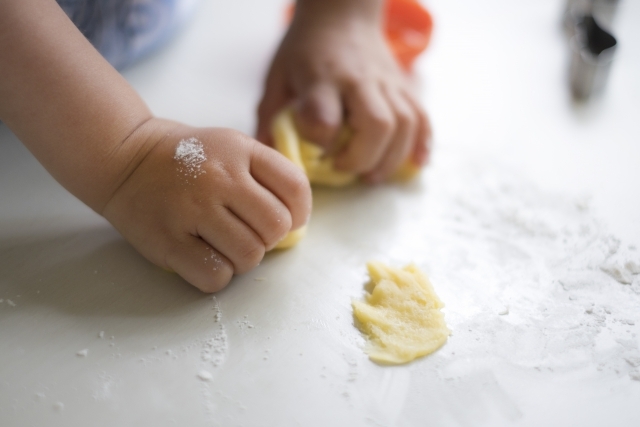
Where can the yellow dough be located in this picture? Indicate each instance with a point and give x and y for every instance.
(307, 155)
(319, 168)
(400, 315)
(292, 238)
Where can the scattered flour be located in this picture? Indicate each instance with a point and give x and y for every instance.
(214, 349)
(213, 354)
(83, 353)
(618, 272)
(11, 303)
(570, 287)
(244, 324)
(190, 154)
(633, 361)
(104, 387)
(632, 266)
(58, 406)
(622, 265)
(101, 334)
(205, 375)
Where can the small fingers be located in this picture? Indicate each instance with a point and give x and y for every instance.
(199, 264)
(421, 150)
(263, 212)
(285, 180)
(232, 238)
(373, 124)
(318, 114)
(402, 142)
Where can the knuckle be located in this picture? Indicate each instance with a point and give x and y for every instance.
(351, 79)
(405, 118)
(249, 257)
(381, 123)
(362, 160)
(299, 187)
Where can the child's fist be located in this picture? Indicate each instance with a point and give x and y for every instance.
(208, 203)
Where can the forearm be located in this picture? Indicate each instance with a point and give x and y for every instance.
(71, 109)
(354, 10)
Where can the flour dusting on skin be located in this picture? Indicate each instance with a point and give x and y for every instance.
(190, 154)
(214, 260)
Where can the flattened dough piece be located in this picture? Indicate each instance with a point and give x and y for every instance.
(400, 315)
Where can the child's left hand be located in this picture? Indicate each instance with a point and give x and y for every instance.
(335, 67)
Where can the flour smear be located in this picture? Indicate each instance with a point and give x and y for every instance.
(190, 156)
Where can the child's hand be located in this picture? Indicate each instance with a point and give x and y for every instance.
(335, 66)
(210, 209)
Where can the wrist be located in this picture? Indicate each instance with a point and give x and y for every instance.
(130, 154)
(368, 12)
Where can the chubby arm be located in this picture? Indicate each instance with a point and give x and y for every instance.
(206, 220)
(65, 102)
(335, 67)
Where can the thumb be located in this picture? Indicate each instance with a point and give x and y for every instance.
(318, 115)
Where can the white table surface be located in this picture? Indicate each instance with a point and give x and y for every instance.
(528, 198)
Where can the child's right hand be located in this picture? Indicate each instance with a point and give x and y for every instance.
(209, 220)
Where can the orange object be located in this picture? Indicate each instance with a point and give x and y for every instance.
(407, 28)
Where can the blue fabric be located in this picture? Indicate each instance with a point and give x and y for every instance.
(125, 30)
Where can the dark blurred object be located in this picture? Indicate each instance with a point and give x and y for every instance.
(602, 10)
(592, 46)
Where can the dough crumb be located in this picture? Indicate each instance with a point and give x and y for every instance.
(400, 315)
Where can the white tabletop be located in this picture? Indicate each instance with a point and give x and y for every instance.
(529, 201)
